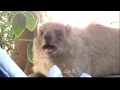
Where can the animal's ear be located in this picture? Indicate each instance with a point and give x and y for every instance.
(68, 28)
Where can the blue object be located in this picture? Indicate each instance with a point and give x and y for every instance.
(3, 73)
(8, 68)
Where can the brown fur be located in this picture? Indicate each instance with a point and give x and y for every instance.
(93, 50)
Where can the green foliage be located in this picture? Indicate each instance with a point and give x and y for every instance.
(12, 34)
(29, 51)
(31, 22)
(5, 28)
(12, 25)
(18, 24)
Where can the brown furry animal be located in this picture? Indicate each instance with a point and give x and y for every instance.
(93, 50)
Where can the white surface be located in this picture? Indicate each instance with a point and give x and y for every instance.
(55, 72)
(85, 75)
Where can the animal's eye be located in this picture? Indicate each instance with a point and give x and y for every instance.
(57, 32)
(41, 33)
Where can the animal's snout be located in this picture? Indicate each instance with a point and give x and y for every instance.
(48, 37)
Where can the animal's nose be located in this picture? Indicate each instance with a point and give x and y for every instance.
(48, 37)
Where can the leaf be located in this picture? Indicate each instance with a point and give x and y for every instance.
(29, 52)
(18, 24)
(12, 35)
(1, 23)
(31, 22)
(5, 13)
(36, 15)
(10, 16)
(3, 43)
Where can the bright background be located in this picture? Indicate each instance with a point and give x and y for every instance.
(83, 18)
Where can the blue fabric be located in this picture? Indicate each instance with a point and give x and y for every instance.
(8, 66)
(2, 74)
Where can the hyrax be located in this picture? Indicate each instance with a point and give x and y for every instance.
(93, 50)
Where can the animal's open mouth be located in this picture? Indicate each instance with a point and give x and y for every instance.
(49, 48)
